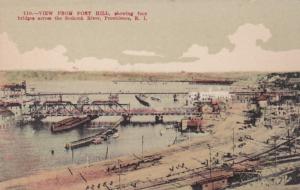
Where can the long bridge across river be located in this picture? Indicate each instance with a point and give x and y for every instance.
(100, 108)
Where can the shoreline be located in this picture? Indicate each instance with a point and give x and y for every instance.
(16, 76)
(183, 152)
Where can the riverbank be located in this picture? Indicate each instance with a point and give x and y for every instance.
(191, 153)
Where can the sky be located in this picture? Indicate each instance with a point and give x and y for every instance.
(179, 35)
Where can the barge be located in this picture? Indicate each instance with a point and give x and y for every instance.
(71, 123)
(142, 101)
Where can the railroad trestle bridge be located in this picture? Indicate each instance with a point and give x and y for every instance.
(102, 108)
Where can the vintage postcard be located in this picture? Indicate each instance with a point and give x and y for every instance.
(154, 95)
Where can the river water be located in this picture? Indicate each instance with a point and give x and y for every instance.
(27, 149)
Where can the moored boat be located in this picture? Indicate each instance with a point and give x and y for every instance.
(71, 123)
(155, 99)
(142, 101)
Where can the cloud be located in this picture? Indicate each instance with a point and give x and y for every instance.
(246, 55)
(36, 59)
(195, 51)
(140, 53)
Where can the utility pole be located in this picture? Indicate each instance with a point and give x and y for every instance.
(189, 137)
(106, 154)
(119, 174)
(298, 115)
(275, 152)
(270, 110)
(210, 166)
(72, 155)
(143, 147)
(233, 146)
(294, 142)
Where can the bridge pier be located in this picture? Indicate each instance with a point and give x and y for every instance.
(197, 187)
(126, 119)
(38, 118)
(159, 119)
